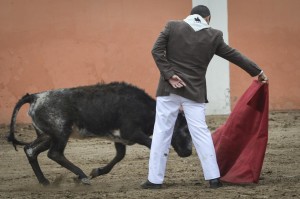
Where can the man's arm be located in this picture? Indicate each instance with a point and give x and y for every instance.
(160, 58)
(234, 56)
(159, 54)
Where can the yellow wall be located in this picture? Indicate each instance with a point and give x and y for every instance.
(268, 32)
(56, 44)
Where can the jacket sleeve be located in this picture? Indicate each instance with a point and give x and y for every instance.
(159, 53)
(234, 56)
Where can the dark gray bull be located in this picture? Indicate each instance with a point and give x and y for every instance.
(119, 112)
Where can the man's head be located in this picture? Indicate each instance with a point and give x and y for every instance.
(203, 11)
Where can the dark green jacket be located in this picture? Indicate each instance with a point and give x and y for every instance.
(182, 51)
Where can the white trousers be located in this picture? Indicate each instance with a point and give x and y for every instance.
(167, 108)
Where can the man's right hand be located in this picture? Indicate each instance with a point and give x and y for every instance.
(263, 78)
(176, 82)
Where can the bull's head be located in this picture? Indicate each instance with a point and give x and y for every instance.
(181, 140)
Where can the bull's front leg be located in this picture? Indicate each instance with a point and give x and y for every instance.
(121, 151)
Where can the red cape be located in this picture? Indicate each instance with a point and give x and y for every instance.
(241, 142)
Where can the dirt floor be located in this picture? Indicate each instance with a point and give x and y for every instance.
(280, 177)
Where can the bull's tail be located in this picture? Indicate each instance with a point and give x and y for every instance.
(11, 137)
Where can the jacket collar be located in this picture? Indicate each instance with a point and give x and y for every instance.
(196, 22)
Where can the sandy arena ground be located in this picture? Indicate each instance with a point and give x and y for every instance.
(280, 177)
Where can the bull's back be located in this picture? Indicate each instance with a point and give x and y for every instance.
(107, 107)
(96, 110)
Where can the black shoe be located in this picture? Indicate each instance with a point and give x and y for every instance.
(150, 185)
(215, 183)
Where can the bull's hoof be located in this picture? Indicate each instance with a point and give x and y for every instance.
(45, 182)
(94, 173)
(85, 181)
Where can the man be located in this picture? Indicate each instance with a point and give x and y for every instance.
(182, 53)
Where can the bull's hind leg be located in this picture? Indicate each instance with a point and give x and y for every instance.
(32, 150)
(121, 151)
(56, 153)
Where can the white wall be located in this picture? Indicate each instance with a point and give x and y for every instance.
(218, 71)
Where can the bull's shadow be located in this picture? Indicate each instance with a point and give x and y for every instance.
(117, 111)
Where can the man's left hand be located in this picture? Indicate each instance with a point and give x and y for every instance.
(176, 82)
